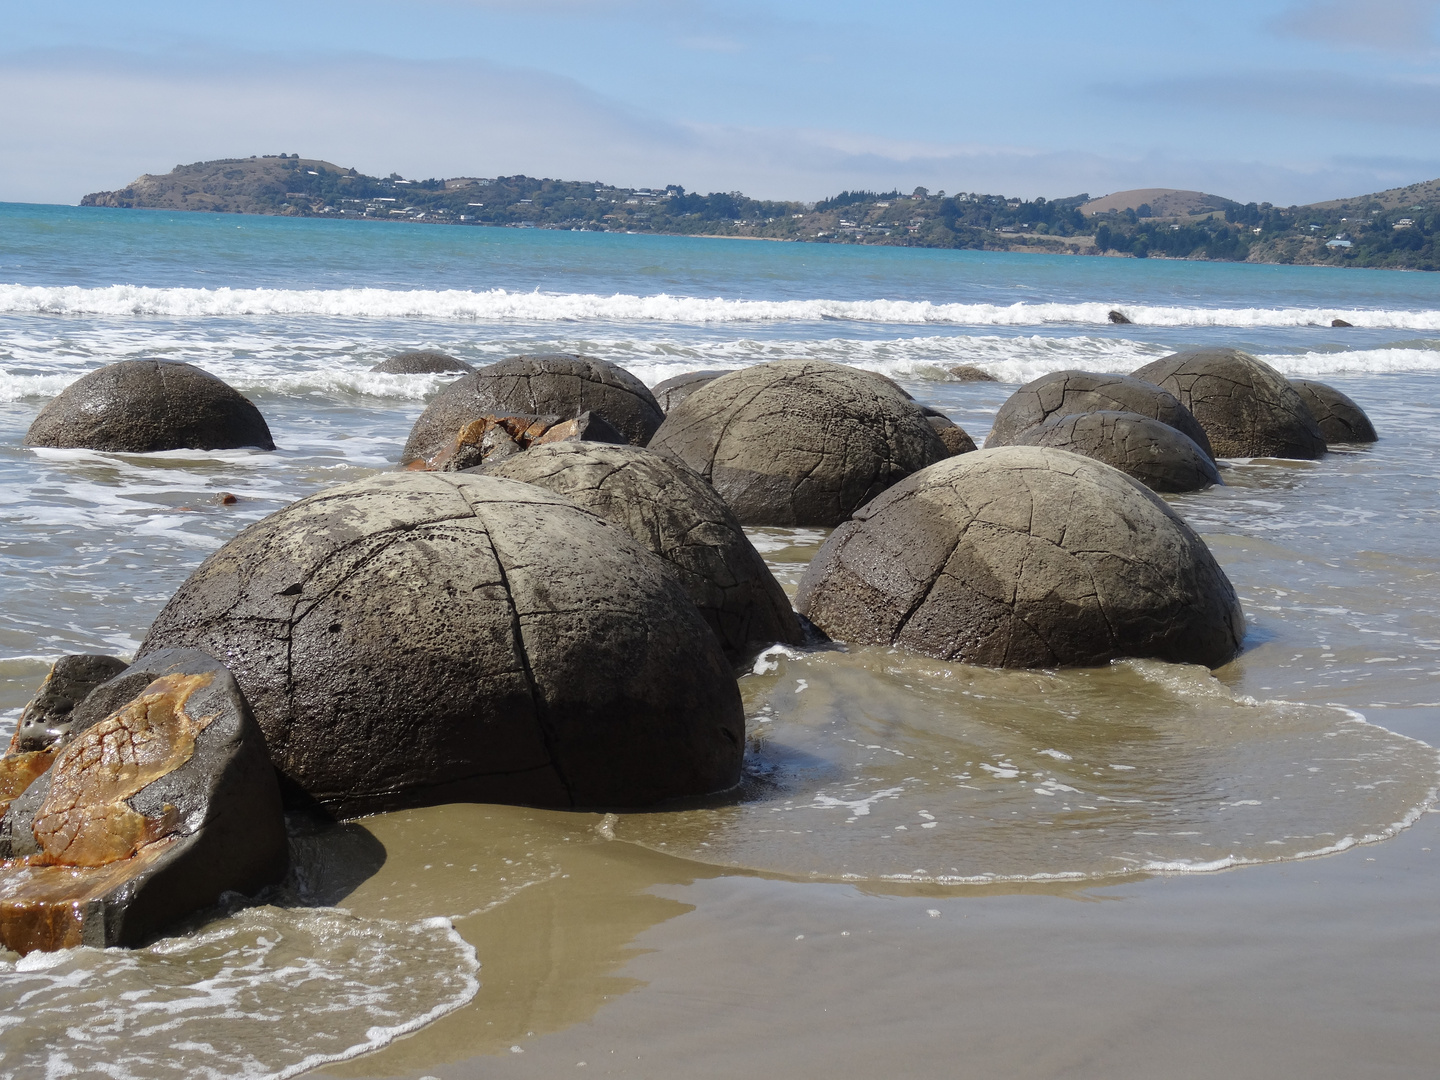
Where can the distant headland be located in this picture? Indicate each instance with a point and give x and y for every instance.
(1394, 229)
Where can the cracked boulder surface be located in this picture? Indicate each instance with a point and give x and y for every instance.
(144, 406)
(1066, 393)
(423, 362)
(679, 517)
(159, 799)
(1156, 454)
(677, 388)
(1246, 407)
(799, 442)
(421, 638)
(1340, 419)
(1024, 557)
(560, 385)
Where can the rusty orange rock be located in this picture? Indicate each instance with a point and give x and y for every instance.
(19, 770)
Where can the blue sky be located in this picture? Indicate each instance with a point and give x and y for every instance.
(1285, 100)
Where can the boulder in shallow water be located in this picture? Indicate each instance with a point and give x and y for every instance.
(1340, 419)
(49, 716)
(1064, 393)
(1023, 556)
(956, 439)
(423, 362)
(799, 442)
(970, 373)
(420, 637)
(679, 517)
(144, 406)
(677, 388)
(1156, 454)
(560, 385)
(159, 799)
(1246, 407)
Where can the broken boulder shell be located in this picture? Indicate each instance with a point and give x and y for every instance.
(1156, 454)
(1340, 419)
(49, 716)
(1023, 556)
(421, 637)
(160, 798)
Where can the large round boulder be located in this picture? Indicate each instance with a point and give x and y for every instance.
(422, 362)
(799, 442)
(1246, 407)
(1065, 393)
(418, 638)
(561, 386)
(672, 391)
(1340, 419)
(143, 406)
(679, 517)
(1156, 454)
(1024, 556)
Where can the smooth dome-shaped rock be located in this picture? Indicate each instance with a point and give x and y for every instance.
(677, 388)
(559, 385)
(1156, 454)
(423, 362)
(1024, 556)
(144, 406)
(1246, 407)
(1339, 418)
(679, 517)
(1065, 393)
(419, 638)
(956, 439)
(799, 442)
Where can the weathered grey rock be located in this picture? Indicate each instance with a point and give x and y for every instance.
(418, 638)
(49, 716)
(799, 442)
(1119, 318)
(1246, 407)
(1064, 393)
(423, 362)
(1023, 557)
(160, 798)
(1340, 323)
(143, 406)
(561, 385)
(679, 517)
(971, 373)
(1339, 418)
(956, 439)
(1156, 454)
(677, 388)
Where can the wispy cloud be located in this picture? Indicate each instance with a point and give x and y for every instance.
(1398, 26)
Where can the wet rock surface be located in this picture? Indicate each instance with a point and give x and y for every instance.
(1023, 557)
(1065, 393)
(1246, 407)
(422, 362)
(145, 406)
(1339, 417)
(799, 442)
(679, 517)
(677, 388)
(419, 638)
(47, 718)
(971, 373)
(1156, 454)
(159, 799)
(561, 385)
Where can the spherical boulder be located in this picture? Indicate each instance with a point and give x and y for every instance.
(423, 362)
(1246, 407)
(956, 439)
(559, 385)
(418, 638)
(799, 442)
(1065, 393)
(679, 517)
(144, 406)
(677, 388)
(1023, 556)
(1340, 419)
(1156, 454)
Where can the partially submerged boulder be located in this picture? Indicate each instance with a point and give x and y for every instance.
(1156, 454)
(144, 406)
(159, 799)
(799, 442)
(672, 391)
(1023, 556)
(679, 517)
(50, 716)
(560, 385)
(1065, 393)
(1246, 407)
(970, 373)
(956, 439)
(423, 362)
(1339, 418)
(418, 637)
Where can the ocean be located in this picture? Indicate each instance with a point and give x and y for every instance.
(900, 795)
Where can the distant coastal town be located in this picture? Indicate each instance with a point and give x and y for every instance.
(1394, 229)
